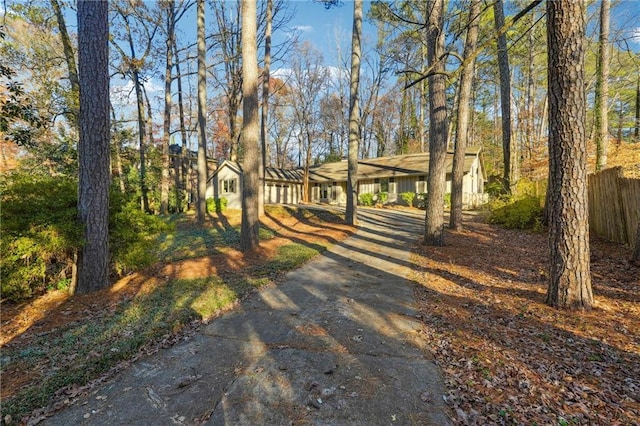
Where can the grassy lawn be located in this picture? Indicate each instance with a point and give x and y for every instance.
(59, 362)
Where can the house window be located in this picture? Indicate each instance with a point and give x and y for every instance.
(384, 185)
(229, 186)
(421, 185)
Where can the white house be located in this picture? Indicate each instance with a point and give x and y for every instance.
(328, 182)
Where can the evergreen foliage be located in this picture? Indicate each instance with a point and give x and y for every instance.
(41, 234)
(366, 199)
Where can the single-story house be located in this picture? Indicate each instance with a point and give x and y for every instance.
(328, 182)
(282, 186)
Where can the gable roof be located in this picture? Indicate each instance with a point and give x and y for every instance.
(368, 168)
(397, 165)
(272, 173)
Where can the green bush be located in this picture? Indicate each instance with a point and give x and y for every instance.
(41, 234)
(421, 200)
(382, 197)
(495, 188)
(217, 205)
(408, 197)
(522, 213)
(447, 200)
(132, 234)
(366, 199)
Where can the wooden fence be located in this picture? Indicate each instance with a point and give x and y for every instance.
(614, 205)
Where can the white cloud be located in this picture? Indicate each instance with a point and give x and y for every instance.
(303, 28)
(124, 94)
(636, 35)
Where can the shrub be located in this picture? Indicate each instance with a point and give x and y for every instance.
(382, 197)
(408, 197)
(447, 200)
(421, 200)
(40, 234)
(217, 205)
(132, 234)
(522, 213)
(366, 199)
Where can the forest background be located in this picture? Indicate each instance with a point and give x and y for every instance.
(153, 44)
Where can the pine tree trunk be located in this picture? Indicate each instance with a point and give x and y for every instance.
(250, 128)
(265, 103)
(142, 135)
(166, 139)
(505, 94)
(183, 171)
(351, 213)
(438, 126)
(601, 120)
(201, 207)
(93, 147)
(462, 132)
(569, 274)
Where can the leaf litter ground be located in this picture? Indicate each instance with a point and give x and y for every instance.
(508, 358)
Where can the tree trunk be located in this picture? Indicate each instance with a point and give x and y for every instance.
(531, 98)
(250, 138)
(70, 58)
(569, 275)
(265, 103)
(601, 121)
(118, 152)
(351, 214)
(142, 134)
(93, 147)
(202, 124)
(438, 126)
(184, 165)
(505, 94)
(462, 132)
(166, 138)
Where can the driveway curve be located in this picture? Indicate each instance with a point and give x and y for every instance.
(336, 343)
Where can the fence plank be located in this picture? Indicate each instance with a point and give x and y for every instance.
(614, 205)
(630, 193)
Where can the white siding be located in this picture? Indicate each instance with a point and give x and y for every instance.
(225, 173)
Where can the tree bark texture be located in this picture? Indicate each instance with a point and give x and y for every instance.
(351, 214)
(602, 89)
(93, 147)
(201, 202)
(166, 137)
(438, 126)
(184, 166)
(505, 93)
(265, 103)
(569, 272)
(462, 132)
(250, 129)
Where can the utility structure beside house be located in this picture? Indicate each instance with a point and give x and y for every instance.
(328, 182)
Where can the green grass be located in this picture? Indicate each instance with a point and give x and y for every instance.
(81, 352)
(188, 242)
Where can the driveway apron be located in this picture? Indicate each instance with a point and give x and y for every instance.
(335, 343)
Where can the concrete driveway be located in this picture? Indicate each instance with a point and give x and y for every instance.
(336, 343)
